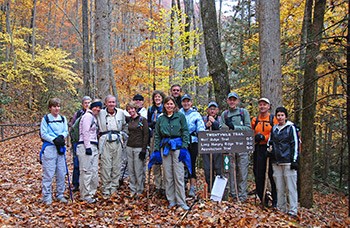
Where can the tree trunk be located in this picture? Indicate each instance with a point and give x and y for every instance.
(86, 51)
(203, 90)
(92, 61)
(32, 51)
(187, 62)
(216, 62)
(270, 51)
(9, 50)
(309, 106)
(102, 47)
(348, 103)
(300, 79)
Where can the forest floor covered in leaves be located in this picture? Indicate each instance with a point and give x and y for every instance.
(20, 204)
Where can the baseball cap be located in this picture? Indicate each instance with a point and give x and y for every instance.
(186, 96)
(138, 97)
(213, 103)
(233, 94)
(265, 100)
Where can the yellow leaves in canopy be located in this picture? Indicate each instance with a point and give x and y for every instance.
(158, 57)
(36, 69)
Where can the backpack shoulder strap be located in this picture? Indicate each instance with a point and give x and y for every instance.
(241, 113)
(46, 119)
(256, 121)
(271, 119)
(226, 114)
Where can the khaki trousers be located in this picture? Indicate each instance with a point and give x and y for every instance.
(174, 172)
(136, 168)
(88, 166)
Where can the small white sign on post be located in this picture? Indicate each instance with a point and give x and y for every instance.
(218, 189)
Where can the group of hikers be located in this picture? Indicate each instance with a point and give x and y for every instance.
(167, 132)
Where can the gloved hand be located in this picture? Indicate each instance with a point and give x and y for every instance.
(294, 165)
(142, 155)
(88, 151)
(59, 141)
(61, 150)
(259, 137)
(269, 152)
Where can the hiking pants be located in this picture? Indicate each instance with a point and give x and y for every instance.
(88, 165)
(174, 178)
(259, 168)
(286, 185)
(242, 162)
(53, 165)
(158, 173)
(111, 161)
(76, 171)
(136, 168)
(193, 149)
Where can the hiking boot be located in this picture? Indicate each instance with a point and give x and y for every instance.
(192, 192)
(185, 207)
(90, 200)
(47, 202)
(171, 205)
(62, 200)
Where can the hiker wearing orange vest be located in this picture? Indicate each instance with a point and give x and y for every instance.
(262, 125)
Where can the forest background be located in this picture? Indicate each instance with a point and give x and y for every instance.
(67, 49)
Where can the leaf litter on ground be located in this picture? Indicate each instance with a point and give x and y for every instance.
(20, 191)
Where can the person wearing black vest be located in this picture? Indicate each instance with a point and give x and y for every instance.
(212, 123)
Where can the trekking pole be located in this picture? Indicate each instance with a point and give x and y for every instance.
(70, 189)
(121, 180)
(186, 213)
(265, 182)
(148, 187)
(234, 174)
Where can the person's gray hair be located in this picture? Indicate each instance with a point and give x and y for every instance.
(109, 97)
(85, 98)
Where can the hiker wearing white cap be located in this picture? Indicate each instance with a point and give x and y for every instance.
(262, 125)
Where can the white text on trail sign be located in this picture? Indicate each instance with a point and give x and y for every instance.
(225, 141)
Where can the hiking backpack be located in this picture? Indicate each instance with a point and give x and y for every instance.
(74, 131)
(241, 113)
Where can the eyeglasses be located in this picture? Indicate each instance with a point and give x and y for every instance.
(176, 90)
